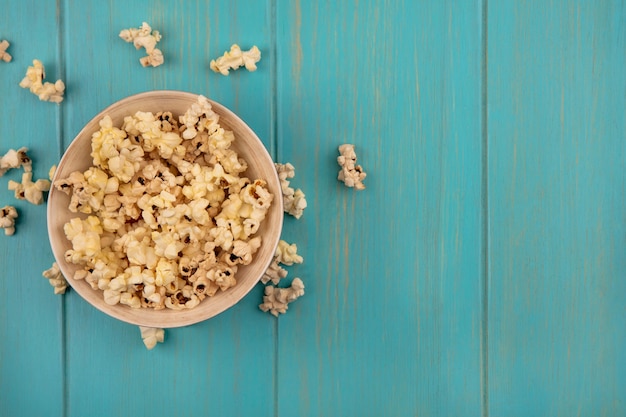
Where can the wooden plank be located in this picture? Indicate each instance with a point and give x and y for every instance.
(556, 189)
(209, 367)
(31, 328)
(390, 324)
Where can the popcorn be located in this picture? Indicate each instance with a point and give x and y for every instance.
(236, 58)
(14, 159)
(8, 214)
(274, 273)
(243, 251)
(276, 300)
(151, 336)
(4, 55)
(294, 201)
(145, 37)
(56, 279)
(182, 299)
(113, 150)
(351, 174)
(191, 118)
(167, 224)
(129, 299)
(85, 237)
(29, 190)
(147, 126)
(223, 275)
(45, 91)
(154, 58)
(230, 161)
(285, 254)
(87, 190)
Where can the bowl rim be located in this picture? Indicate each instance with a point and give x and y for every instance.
(185, 317)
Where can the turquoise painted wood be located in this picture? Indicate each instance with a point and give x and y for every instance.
(32, 322)
(479, 274)
(557, 311)
(210, 365)
(392, 323)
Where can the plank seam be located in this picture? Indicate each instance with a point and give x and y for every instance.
(61, 59)
(61, 72)
(274, 153)
(273, 82)
(485, 211)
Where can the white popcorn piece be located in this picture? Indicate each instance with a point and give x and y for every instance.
(351, 174)
(148, 127)
(285, 254)
(85, 237)
(243, 251)
(223, 275)
(145, 37)
(56, 279)
(4, 55)
(47, 91)
(182, 299)
(8, 214)
(87, 190)
(276, 300)
(193, 125)
(274, 273)
(153, 59)
(235, 58)
(113, 150)
(294, 200)
(151, 336)
(14, 159)
(167, 224)
(29, 190)
(129, 299)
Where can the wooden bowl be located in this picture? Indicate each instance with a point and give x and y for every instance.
(248, 146)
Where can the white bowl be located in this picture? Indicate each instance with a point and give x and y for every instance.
(248, 146)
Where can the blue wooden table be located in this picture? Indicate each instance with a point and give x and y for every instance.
(481, 273)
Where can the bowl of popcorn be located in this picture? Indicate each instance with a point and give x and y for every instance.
(165, 210)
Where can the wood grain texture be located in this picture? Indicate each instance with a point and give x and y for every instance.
(528, 133)
(201, 369)
(31, 326)
(556, 164)
(391, 321)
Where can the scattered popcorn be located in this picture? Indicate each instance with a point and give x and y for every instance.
(351, 174)
(236, 58)
(4, 55)
(285, 254)
(8, 214)
(294, 201)
(56, 279)
(15, 159)
(29, 190)
(151, 336)
(145, 37)
(168, 224)
(276, 300)
(45, 91)
(274, 273)
(52, 171)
